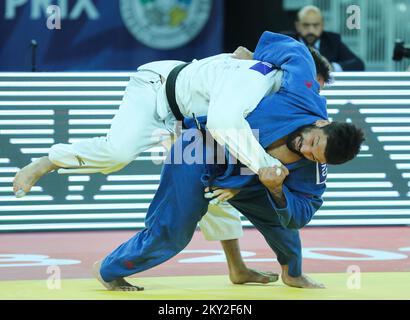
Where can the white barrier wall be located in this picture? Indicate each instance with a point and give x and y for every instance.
(40, 109)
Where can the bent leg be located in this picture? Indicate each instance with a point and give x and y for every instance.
(134, 129)
(171, 220)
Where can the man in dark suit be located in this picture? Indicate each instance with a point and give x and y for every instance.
(309, 27)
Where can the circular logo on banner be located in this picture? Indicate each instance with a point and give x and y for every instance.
(165, 24)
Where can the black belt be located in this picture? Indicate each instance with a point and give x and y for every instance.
(170, 92)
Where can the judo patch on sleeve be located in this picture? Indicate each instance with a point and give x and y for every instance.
(321, 173)
(263, 67)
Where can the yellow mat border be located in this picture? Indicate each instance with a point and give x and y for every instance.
(339, 286)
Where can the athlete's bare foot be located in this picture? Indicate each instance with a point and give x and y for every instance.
(250, 275)
(117, 285)
(239, 273)
(303, 281)
(27, 177)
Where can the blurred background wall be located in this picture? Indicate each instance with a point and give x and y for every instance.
(107, 34)
(381, 23)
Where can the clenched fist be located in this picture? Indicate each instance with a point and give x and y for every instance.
(270, 178)
(220, 195)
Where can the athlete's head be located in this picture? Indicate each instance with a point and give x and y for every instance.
(309, 24)
(324, 142)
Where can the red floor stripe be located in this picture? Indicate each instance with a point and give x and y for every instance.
(390, 244)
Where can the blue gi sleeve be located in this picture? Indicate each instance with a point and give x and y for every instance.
(299, 210)
(290, 55)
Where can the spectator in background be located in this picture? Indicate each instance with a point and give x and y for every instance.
(309, 26)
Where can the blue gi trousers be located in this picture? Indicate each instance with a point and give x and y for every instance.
(172, 217)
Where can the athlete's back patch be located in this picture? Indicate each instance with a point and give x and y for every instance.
(263, 67)
(321, 173)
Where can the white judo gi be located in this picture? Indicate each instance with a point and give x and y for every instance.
(220, 87)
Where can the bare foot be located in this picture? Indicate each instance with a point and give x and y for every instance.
(117, 285)
(302, 281)
(27, 177)
(251, 275)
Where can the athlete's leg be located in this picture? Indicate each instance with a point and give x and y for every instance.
(134, 129)
(171, 220)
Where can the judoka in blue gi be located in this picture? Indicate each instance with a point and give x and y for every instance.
(278, 206)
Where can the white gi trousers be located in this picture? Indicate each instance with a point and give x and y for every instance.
(221, 222)
(135, 128)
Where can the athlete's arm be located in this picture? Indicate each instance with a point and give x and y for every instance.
(295, 208)
(232, 97)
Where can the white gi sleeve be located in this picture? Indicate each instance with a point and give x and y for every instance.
(232, 97)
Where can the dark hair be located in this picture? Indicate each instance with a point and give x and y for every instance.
(343, 142)
(322, 65)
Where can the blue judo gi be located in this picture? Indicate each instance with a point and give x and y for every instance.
(179, 202)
